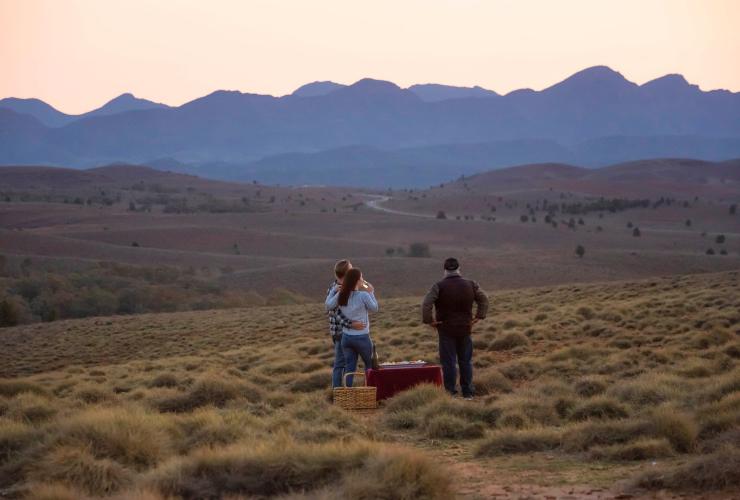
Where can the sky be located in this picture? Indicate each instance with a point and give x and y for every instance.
(78, 54)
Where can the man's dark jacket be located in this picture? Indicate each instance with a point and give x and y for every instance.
(452, 299)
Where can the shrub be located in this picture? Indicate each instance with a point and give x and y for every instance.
(601, 408)
(441, 214)
(720, 239)
(580, 251)
(504, 442)
(636, 232)
(509, 341)
(313, 381)
(419, 250)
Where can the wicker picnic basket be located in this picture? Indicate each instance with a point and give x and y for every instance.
(355, 398)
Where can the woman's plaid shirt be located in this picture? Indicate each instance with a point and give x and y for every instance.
(337, 321)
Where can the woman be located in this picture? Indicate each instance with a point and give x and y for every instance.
(355, 297)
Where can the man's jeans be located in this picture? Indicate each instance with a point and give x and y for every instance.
(457, 351)
(338, 371)
(352, 346)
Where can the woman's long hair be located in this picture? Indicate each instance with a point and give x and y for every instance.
(348, 285)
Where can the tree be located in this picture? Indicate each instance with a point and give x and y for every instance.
(710, 251)
(134, 243)
(9, 315)
(524, 218)
(723, 252)
(733, 209)
(580, 251)
(390, 251)
(441, 215)
(688, 222)
(720, 239)
(629, 225)
(636, 232)
(419, 250)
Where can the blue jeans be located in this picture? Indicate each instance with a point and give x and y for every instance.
(352, 346)
(457, 351)
(338, 370)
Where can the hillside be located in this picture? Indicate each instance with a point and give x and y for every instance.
(580, 389)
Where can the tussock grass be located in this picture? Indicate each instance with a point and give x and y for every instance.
(183, 396)
(641, 449)
(504, 442)
(269, 469)
(509, 341)
(717, 471)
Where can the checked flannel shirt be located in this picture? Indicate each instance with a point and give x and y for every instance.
(337, 321)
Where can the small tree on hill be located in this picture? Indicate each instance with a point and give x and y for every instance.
(710, 251)
(580, 251)
(733, 209)
(636, 232)
(524, 218)
(629, 225)
(688, 222)
(441, 215)
(720, 239)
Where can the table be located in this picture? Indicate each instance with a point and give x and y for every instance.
(391, 380)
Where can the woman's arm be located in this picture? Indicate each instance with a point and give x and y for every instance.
(332, 299)
(371, 303)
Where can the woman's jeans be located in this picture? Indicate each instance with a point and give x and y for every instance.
(352, 346)
(338, 371)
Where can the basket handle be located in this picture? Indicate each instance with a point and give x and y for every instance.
(344, 379)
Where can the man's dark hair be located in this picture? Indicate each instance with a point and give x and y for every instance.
(451, 264)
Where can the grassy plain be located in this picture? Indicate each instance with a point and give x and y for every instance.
(586, 390)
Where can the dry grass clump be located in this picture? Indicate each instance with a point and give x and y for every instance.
(505, 442)
(640, 449)
(13, 387)
(599, 408)
(589, 386)
(508, 341)
(584, 436)
(211, 389)
(79, 467)
(447, 426)
(15, 437)
(269, 469)
(491, 381)
(53, 491)
(677, 427)
(717, 471)
(212, 427)
(129, 436)
(29, 407)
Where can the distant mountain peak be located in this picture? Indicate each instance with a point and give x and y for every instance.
(669, 83)
(125, 102)
(433, 92)
(595, 77)
(374, 86)
(315, 89)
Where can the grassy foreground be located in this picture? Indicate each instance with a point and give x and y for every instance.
(235, 403)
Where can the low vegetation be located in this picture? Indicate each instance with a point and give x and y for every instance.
(235, 403)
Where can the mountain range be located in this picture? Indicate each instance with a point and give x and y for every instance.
(377, 133)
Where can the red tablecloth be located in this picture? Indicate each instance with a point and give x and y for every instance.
(391, 380)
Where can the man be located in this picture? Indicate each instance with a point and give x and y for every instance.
(453, 298)
(337, 322)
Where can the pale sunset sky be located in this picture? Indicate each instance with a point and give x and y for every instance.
(78, 54)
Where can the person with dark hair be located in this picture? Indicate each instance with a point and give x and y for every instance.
(338, 322)
(355, 298)
(448, 307)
